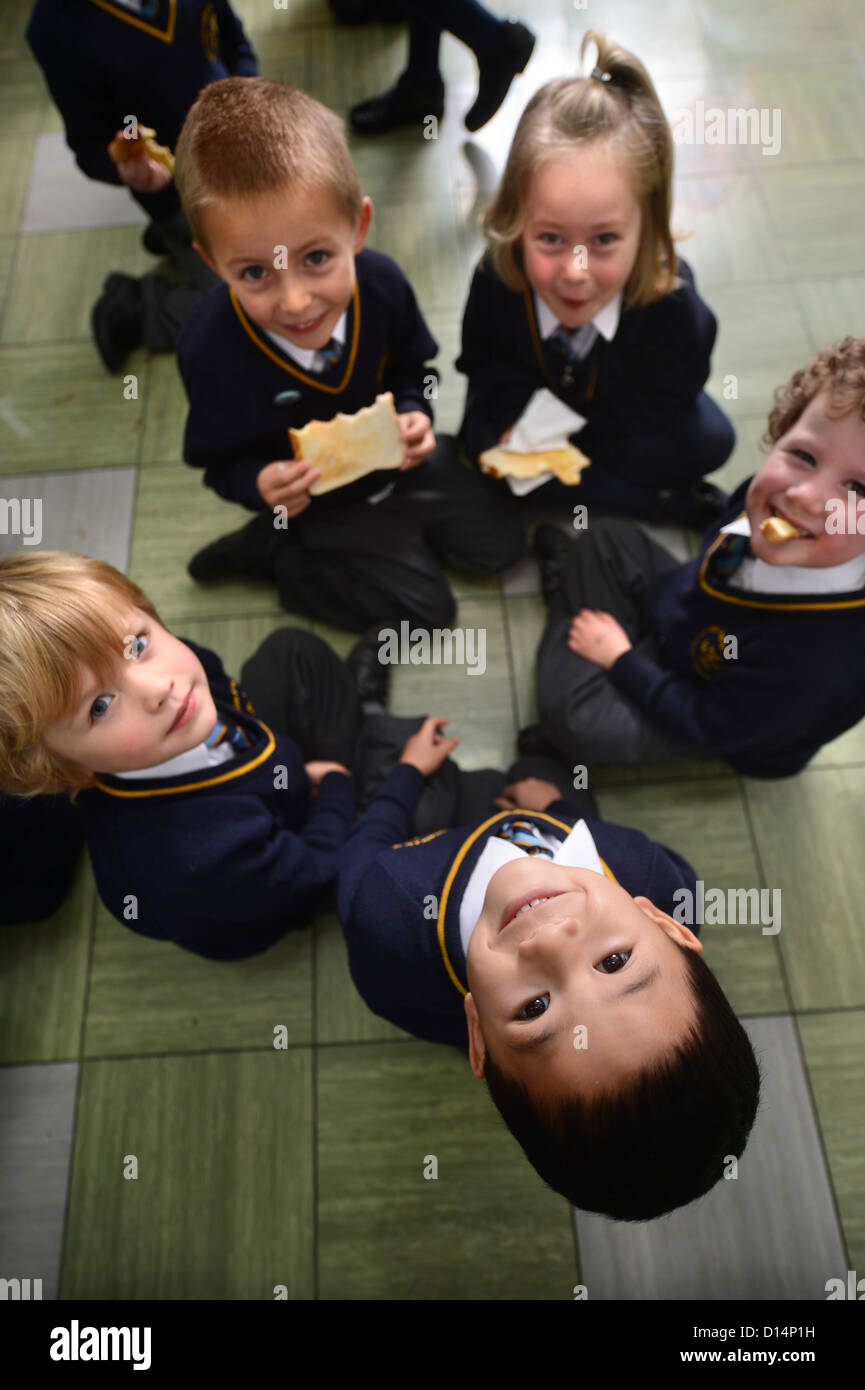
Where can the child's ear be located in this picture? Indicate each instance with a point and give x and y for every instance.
(477, 1047)
(679, 933)
(362, 226)
(197, 246)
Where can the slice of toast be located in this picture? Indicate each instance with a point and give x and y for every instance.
(350, 446)
(123, 146)
(776, 530)
(565, 464)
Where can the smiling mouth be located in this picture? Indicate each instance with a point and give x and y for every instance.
(521, 906)
(803, 534)
(184, 714)
(306, 326)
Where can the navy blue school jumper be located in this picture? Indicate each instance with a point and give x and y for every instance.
(223, 861)
(103, 62)
(343, 559)
(650, 425)
(797, 680)
(42, 837)
(406, 957)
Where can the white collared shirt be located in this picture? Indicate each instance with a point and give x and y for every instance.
(578, 851)
(193, 760)
(605, 322)
(309, 359)
(758, 577)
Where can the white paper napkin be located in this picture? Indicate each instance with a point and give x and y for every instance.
(545, 423)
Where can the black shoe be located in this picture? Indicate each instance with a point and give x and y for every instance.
(532, 743)
(404, 104)
(495, 77)
(551, 547)
(153, 241)
(249, 551)
(117, 320)
(699, 505)
(371, 676)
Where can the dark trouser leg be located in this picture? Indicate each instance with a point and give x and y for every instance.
(362, 566)
(381, 742)
(613, 566)
(469, 522)
(468, 21)
(167, 303)
(42, 838)
(300, 688)
(627, 475)
(423, 48)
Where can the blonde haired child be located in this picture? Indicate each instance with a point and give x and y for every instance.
(581, 292)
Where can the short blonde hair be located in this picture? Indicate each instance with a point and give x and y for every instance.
(622, 109)
(248, 136)
(58, 612)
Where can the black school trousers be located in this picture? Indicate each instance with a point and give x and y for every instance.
(613, 566)
(380, 562)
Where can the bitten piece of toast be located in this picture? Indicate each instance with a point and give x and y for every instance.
(776, 529)
(350, 446)
(565, 464)
(123, 146)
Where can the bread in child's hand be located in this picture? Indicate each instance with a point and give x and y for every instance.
(124, 146)
(776, 529)
(566, 464)
(350, 446)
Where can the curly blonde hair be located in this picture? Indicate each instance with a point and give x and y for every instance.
(59, 613)
(623, 109)
(839, 369)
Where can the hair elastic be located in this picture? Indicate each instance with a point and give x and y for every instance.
(601, 76)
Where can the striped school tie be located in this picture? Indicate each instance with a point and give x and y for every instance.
(228, 733)
(728, 556)
(571, 345)
(526, 835)
(330, 353)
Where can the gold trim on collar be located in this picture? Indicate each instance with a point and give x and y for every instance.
(252, 332)
(755, 603)
(166, 35)
(196, 786)
(460, 856)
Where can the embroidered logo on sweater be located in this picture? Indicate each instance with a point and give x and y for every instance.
(210, 33)
(708, 651)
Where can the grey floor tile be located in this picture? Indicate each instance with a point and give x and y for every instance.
(89, 512)
(37, 1109)
(61, 198)
(772, 1233)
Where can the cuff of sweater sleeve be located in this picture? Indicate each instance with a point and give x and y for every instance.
(632, 672)
(404, 783)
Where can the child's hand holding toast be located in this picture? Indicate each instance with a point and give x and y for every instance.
(417, 434)
(286, 483)
(427, 749)
(598, 637)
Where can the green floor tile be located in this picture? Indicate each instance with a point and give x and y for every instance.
(725, 232)
(849, 748)
(164, 409)
(830, 307)
(707, 824)
(43, 977)
(821, 109)
(778, 26)
(347, 64)
(151, 996)
(61, 409)
(8, 247)
(175, 516)
(222, 1205)
(762, 340)
(64, 272)
(809, 832)
(816, 213)
(485, 1227)
(834, 1047)
(22, 97)
(16, 152)
(340, 1013)
(424, 233)
(478, 706)
(525, 618)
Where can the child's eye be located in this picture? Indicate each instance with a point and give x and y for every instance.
(254, 274)
(135, 646)
(317, 257)
(616, 961)
(606, 238)
(100, 707)
(550, 238)
(531, 1010)
(804, 456)
(855, 486)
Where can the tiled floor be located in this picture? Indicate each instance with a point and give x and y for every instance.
(301, 1169)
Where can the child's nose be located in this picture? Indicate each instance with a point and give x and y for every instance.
(551, 941)
(293, 298)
